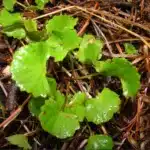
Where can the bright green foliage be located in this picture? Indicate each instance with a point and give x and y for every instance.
(11, 23)
(78, 110)
(60, 115)
(9, 4)
(41, 3)
(17, 33)
(102, 108)
(61, 23)
(61, 43)
(30, 25)
(70, 39)
(129, 48)
(76, 106)
(63, 36)
(20, 140)
(100, 142)
(56, 49)
(57, 122)
(29, 69)
(7, 19)
(35, 104)
(123, 69)
(77, 99)
(90, 49)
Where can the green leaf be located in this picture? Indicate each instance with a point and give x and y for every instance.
(63, 36)
(9, 4)
(130, 49)
(57, 122)
(56, 49)
(41, 3)
(102, 108)
(37, 36)
(70, 39)
(60, 99)
(123, 69)
(90, 49)
(7, 18)
(78, 110)
(61, 43)
(77, 99)
(17, 33)
(61, 23)
(30, 25)
(20, 140)
(28, 69)
(76, 106)
(35, 104)
(100, 142)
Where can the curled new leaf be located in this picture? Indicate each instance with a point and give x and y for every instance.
(90, 49)
(102, 108)
(30, 25)
(76, 106)
(29, 69)
(123, 69)
(129, 48)
(99, 142)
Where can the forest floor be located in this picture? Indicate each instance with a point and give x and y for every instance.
(116, 22)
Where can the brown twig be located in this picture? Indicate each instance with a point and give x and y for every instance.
(14, 115)
(82, 30)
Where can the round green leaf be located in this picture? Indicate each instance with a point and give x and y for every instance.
(57, 122)
(90, 49)
(61, 23)
(7, 19)
(70, 39)
(99, 142)
(102, 108)
(123, 69)
(28, 69)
